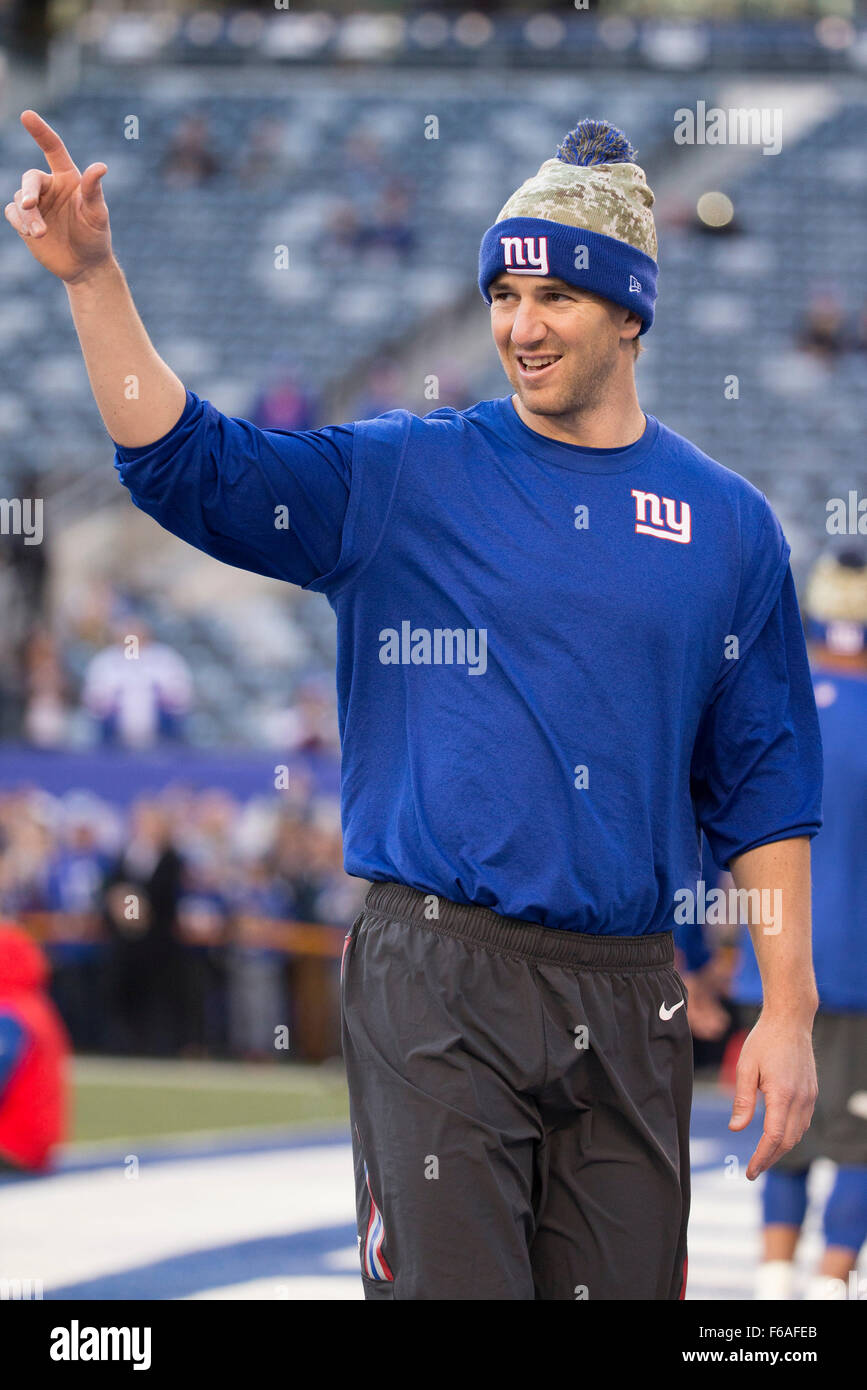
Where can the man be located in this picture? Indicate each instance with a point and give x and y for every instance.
(835, 605)
(145, 965)
(139, 695)
(566, 637)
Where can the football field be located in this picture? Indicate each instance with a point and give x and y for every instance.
(211, 1181)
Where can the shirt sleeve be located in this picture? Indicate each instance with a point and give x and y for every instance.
(270, 501)
(757, 760)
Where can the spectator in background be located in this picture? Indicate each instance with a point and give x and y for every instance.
(310, 724)
(287, 859)
(138, 690)
(365, 166)
(378, 220)
(190, 158)
(46, 713)
(85, 619)
(344, 233)
(823, 331)
(390, 226)
(382, 391)
(140, 906)
(203, 920)
(25, 843)
(205, 826)
(75, 872)
(268, 153)
(333, 897)
(258, 999)
(33, 1053)
(283, 404)
(306, 862)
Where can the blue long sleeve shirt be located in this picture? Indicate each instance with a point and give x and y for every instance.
(554, 663)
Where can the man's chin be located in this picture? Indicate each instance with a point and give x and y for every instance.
(541, 401)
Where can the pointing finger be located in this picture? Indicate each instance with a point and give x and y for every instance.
(59, 160)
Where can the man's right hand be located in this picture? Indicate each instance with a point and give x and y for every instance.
(61, 215)
(62, 218)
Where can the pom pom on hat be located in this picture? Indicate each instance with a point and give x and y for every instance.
(590, 198)
(596, 142)
(592, 182)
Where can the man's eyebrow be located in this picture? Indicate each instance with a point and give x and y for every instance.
(550, 283)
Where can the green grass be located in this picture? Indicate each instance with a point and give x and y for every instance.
(120, 1099)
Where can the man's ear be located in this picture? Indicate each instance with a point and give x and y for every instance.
(631, 326)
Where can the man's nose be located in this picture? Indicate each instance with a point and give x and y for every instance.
(528, 325)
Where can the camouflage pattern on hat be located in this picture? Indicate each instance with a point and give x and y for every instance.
(613, 199)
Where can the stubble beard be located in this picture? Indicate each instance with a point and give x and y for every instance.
(580, 392)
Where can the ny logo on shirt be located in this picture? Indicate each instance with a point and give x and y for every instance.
(527, 255)
(669, 529)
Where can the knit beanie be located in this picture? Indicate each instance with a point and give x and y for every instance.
(585, 218)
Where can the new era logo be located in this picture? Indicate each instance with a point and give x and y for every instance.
(649, 520)
(525, 255)
(634, 285)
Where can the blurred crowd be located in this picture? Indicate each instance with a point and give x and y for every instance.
(376, 214)
(91, 670)
(85, 671)
(162, 923)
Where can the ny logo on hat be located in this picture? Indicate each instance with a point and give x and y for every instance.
(525, 255)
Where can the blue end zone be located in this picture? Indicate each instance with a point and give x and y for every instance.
(303, 1255)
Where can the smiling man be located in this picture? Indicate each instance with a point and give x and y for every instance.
(514, 1029)
(567, 352)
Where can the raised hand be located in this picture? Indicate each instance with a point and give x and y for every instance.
(61, 215)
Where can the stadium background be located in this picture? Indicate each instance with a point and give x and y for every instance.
(303, 252)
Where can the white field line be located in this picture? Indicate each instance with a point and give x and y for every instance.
(191, 1139)
(205, 1076)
